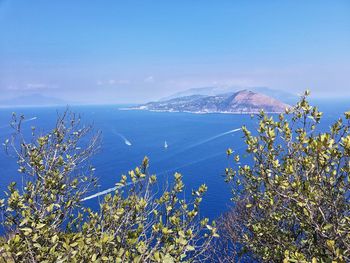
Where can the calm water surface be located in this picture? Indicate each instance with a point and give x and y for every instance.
(196, 145)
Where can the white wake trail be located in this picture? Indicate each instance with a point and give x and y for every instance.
(190, 163)
(126, 141)
(25, 120)
(212, 138)
(198, 161)
(104, 192)
(31, 119)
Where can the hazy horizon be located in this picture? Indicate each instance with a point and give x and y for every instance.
(131, 51)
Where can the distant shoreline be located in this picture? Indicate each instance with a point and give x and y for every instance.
(201, 112)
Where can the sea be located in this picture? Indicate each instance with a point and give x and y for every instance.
(196, 146)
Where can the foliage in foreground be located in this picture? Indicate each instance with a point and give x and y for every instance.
(292, 202)
(45, 221)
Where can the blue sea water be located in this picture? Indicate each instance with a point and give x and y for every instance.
(196, 145)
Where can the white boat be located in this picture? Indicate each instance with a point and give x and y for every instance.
(165, 145)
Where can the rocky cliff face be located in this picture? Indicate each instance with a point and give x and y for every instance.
(248, 101)
(240, 102)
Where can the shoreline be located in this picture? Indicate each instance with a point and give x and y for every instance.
(202, 112)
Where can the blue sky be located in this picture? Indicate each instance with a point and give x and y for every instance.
(132, 51)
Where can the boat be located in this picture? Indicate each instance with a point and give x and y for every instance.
(165, 145)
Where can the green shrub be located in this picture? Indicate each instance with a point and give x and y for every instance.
(292, 202)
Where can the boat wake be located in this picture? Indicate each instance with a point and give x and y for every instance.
(104, 192)
(191, 163)
(210, 139)
(31, 119)
(25, 120)
(126, 141)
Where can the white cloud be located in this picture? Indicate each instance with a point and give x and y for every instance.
(11, 87)
(112, 82)
(195, 82)
(123, 81)
(31, 87)
(36, 86)
(149, 79)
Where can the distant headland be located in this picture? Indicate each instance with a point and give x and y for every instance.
(240, 102)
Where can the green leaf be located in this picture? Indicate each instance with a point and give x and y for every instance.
(39, 226)
(328, 226)
(190, 248)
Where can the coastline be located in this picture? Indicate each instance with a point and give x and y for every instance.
(204, 112)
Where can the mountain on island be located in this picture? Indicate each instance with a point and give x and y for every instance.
(243, 101)
(281, 95)
(32, 100)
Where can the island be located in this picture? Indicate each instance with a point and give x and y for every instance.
(241, 102)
